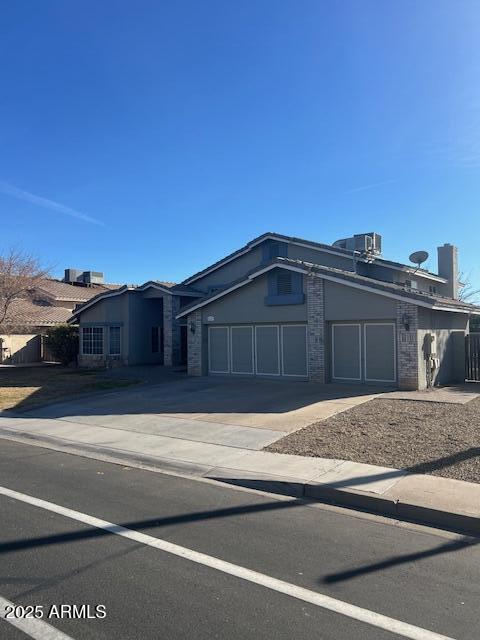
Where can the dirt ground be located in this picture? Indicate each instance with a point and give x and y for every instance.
(421, 437)
(23, 388)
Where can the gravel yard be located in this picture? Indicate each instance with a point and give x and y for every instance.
(421, 437)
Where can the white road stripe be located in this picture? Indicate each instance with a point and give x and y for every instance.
(312, 597)
(33, 627)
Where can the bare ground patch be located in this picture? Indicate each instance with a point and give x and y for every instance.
(422, 437)
(24, 388)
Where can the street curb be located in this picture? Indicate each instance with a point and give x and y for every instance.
(395, 508)
(351, 499)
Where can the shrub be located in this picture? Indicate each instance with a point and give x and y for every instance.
(62, 342)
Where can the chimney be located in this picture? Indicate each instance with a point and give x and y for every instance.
(448, 268)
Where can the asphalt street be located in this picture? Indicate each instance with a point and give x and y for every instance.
(153, 581)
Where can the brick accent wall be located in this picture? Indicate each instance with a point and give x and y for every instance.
(95, 362)
(315, 328)
(407, 346)
(171, 331)
(194, 341)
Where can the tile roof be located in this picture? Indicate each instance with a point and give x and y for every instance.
(34, 312)
(39, 309)
(59, 290)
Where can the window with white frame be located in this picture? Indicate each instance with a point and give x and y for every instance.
(92, 341)
(114, 341)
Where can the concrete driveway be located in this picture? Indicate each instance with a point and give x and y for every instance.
(241, 412)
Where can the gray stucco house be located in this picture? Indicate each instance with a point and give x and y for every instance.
(285, 307)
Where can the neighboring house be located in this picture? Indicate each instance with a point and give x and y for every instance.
(135, 325)
(49, 303)
(291, 308)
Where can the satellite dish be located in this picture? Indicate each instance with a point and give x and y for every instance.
(417, 257)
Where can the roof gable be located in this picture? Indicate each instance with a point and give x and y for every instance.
(258, 240)
(318, 246)
(347, 278)
(165, 287)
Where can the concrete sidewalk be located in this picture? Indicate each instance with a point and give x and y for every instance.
(449, 504)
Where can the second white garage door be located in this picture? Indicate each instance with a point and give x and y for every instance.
(264, 350)
(363, 352)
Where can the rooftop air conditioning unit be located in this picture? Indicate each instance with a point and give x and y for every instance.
(73, 275)
(366, 243)
(93, 277)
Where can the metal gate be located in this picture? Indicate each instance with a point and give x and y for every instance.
(472, 357)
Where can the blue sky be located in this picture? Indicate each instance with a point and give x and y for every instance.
(148, 139)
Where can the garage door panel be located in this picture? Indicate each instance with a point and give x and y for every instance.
(346, 354)
(241, 349)
(380, 362)
(294, 350)
(267, 350)
(218, 350)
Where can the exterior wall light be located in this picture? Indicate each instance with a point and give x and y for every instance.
(192, 327)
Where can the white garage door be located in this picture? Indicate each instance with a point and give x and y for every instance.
(264, 350)
(241, 349)
(267, 350)
(218, 350)
(379, 344)
(294, 350)
(363, 352)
